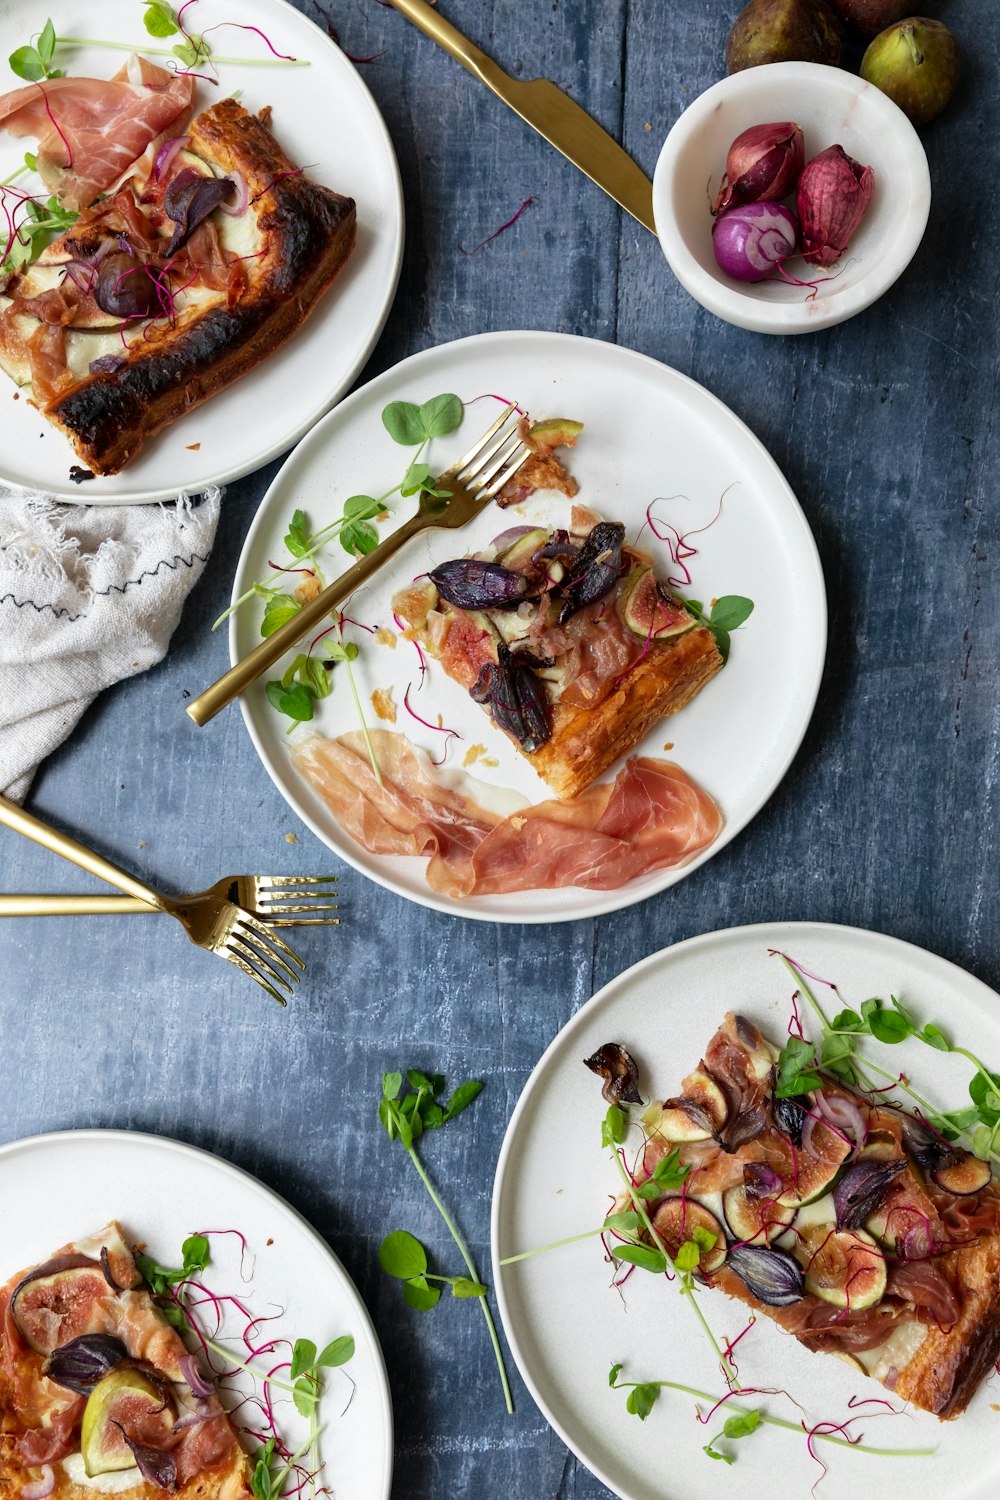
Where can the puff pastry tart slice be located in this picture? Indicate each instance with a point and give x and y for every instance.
(98, 1392)
(569, 641)
(847, 1221)
(174, 284)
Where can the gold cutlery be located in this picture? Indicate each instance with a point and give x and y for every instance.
(548, 110)
(474, 481)
(269, 897)
(211, 922)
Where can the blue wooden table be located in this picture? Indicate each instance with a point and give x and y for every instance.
(888, 818)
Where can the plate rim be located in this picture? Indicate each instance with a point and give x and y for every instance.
(76, 495)
(579, 1019)
(148, 1138)
(612, 900)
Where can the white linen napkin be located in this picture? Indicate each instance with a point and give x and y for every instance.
(88, 595)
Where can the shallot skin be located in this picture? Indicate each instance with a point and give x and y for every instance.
(749, 242)
(762, 165)
(832, 198)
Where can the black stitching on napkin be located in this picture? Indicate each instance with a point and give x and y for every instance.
(113, 588)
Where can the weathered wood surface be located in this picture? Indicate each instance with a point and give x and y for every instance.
(888, 819)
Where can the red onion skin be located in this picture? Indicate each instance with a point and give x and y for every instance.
(750, 241)
(832, 198)
(195, 1379)
(763, 164)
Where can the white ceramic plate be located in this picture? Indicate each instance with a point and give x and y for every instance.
(566, 1326)
(327, 121)
(69, 1184)
(833, 107)
(648, 432)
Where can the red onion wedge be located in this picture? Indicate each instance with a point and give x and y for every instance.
(199, 1385)
(166, 154)
(39, 1488)
(238, 209)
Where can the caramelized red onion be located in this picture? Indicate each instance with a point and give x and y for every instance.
(200, 1386)
(166, 154)
(621, 1076)
(760, 1182)
(772, 1276)
(862, 1189)
(596, 569)
(515, 696)
(125, 289)
(239, 208)
(470, 583)
(84, 1361)
(843, 1114)
(189, 200)
(510, 536)
(789, 1116)
(153, 1463)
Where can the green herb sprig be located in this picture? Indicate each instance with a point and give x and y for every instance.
(34, 60)
(35, 232)
(643, 1396)
(160, 1279)
(406, 1112)
(802, 1063)
(726, 615)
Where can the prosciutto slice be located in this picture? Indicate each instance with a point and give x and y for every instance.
(652, 817)
(90, 130)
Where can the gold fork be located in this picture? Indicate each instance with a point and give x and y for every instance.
(474, 481)
(211, 922)
(270, 897)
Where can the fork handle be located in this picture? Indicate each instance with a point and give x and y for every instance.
(239, 677)
(78, 854)
(71, 906)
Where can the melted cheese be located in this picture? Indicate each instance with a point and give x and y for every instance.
(117, 1483)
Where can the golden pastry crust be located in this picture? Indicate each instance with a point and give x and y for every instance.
(306, 234)
(586, 741)
(945, 1372)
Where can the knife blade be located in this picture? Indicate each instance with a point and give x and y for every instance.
(543, 106)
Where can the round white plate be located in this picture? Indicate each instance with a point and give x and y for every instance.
(327, 121)
(648, 432)
(566, 1326)
(69, 1184)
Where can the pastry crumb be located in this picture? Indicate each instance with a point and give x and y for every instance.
(489, 760)
(307, 589)
(383, 705)
(472, 754)
(386, 637)
(269, 1242)
(669, 745)
(142, 845)
(648, 125)
(518, 823)
(193, 447)
(291, 838)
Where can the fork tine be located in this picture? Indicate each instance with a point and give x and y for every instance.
(491, 470)
(255, 944)
(251, 973)
(489, 490)
(260, 961)
(278, 898)
(246, 920)
(281, 908)
(470, 471)
(269, 882)
(481, 442)
(304, 921)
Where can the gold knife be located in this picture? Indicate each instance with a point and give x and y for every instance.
(549, 111)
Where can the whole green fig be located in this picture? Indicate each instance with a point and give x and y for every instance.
(768, 31)
(915, 62)
(871, 16)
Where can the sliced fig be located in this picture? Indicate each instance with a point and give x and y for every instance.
(649, 611)
(679, 1120)
(554, 432)
(126, 1404)
(845, 1268)
(814, 1176)
(962, 1175)
(676, 1221)
(54, 1303)
(521, 551)
(755, 1220)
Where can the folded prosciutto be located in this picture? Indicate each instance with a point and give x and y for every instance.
(90, 130)
(651, 817)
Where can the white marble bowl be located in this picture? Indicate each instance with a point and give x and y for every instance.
(833, 107)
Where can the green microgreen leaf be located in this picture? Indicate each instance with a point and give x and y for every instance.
(391, 1085)
(613, 1127)
(796, 1068)
(303, 1357)
(46, 43)
(295, 701)
(628, 1222)
(277, 612)
(420, 1295)
(297, 538)
(704, 1238)
(27, 63)
(337, 1353)
(687, 1256)
(441, 415)
(404, 424)
(160, 19)
(643, 1256)
(359, 537)
(464, 1287)
(731, 611)
(402, 1255)
(641, 1400)
(462, 1097)
(305, 1394)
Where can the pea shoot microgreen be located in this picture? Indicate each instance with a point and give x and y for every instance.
(724, 616)
(802, 1063)
(409, 1107)
(742, 1421)
(161, 20)
(160, 1279)
(39, 226)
